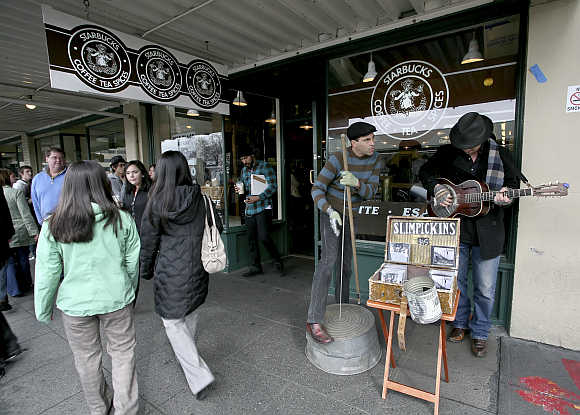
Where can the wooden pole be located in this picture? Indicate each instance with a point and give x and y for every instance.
(350, 218)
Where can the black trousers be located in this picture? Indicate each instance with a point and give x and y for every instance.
(8, 341)
(259, 230)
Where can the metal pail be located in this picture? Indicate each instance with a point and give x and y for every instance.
(423, 300)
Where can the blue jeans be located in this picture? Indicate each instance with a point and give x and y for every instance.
(484, 276)
(18, 277)
(3, 294)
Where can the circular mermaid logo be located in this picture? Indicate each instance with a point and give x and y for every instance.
(99, 58)
(159, 73)
(409, 100)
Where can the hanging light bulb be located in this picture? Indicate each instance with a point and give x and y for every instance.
(487, 82)
(371, 71)
(30, 106)
(239, 100)
(192, 113)
(473, 54)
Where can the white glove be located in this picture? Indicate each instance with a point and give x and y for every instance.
(348, 179)
(335, 220)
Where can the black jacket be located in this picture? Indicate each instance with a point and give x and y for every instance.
(6, 229)
(172, 254)
(455, 165)
(135, 209)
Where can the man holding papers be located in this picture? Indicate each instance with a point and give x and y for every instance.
(259, 181)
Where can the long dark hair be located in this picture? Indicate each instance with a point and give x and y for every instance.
(73, 218)
(145, 180)
(171, 171)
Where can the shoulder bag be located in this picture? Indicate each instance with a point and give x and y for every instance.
(213, 253)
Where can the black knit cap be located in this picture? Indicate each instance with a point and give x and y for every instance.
(246, 150)
(359, 129)
(471, 130)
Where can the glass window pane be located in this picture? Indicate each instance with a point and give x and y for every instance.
(42, 146)
(107, 140)
(254, 125)
(199, 138)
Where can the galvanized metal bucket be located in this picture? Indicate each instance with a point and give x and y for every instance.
(355, 348)
(423, 300)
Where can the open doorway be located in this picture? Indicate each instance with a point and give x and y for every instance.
(298, 136)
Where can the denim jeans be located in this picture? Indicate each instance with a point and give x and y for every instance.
(18, 277)
(3, 293)
(484, 276)
(330, 260)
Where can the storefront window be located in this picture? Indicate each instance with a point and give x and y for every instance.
(256, 125)
(419, 92)
(9, 157)
(107, 140)
(199, 137)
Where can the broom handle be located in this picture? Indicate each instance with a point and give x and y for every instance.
(350, 218)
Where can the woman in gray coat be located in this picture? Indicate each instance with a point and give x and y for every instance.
(17, 272)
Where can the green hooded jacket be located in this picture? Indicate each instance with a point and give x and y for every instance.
(100, 276)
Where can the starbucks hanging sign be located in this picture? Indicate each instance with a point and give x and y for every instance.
(409, 100)
(89, 58)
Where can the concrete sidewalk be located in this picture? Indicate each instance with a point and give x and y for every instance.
(251, 334)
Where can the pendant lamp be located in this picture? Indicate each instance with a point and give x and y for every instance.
(240, 101)
(371, 71)
(473, 54)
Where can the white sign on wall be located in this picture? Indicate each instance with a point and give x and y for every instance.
(573, 99)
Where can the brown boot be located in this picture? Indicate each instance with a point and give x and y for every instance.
(479, 347)
(457, 335)
(318, 333)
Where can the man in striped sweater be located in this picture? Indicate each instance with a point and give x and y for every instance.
(364, 166)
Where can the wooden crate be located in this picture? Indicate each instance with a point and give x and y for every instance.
(410, 241)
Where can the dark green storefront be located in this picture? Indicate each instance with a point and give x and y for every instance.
(318, 83)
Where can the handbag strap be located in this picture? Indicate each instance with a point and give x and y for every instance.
(208, 202)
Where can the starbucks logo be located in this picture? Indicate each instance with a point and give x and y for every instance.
(203, 84)
(409, 100)
(99, 58)
(159, 73)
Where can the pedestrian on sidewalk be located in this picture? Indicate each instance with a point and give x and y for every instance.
(95, 247)
(18, 277)
(258, 211)
(171, 235)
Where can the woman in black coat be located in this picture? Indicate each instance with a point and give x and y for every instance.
(171, 234)
(134, 193)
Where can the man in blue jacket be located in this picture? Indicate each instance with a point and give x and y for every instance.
(47, 184)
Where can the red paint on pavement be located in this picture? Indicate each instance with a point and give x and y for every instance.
(573, 368)
(547, 394)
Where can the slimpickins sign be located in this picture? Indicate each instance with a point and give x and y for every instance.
(89, 58)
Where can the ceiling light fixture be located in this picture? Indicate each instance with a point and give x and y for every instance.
(272, 119)
(192, 113)
(239, 100)
(30, 106)
(188, 126)
(371, 71)
(473, 54)
(306, 126)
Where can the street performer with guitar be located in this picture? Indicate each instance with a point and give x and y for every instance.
(474, 156)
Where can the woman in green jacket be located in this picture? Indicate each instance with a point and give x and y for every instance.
(17, 271)
(94, 248)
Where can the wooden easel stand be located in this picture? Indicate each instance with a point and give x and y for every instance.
(441, 353)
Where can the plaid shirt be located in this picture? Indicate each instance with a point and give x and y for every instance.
(260, 167)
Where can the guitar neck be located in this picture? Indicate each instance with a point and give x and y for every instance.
(489, 196)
